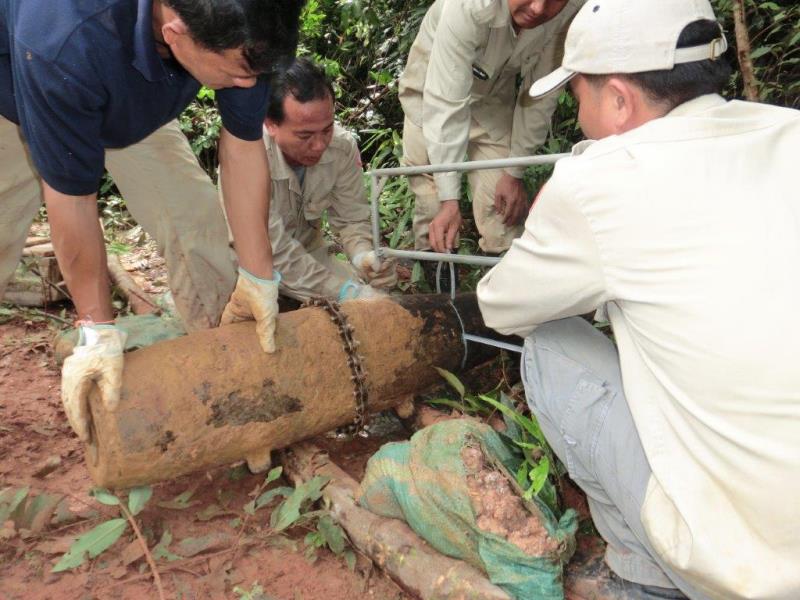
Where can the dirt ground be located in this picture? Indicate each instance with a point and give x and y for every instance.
(39, 450)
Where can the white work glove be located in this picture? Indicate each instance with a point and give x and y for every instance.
(374, 271)
(96, 360)
(352, 290)
(255, 299)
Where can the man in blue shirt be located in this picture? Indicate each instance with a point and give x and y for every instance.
(88, 83)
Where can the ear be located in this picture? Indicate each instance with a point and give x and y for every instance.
(272, 127)
(624, 102)
(173, 28)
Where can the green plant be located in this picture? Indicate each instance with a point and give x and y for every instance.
(256, 592)
(100, 538)
(537, 469)
(296, 510)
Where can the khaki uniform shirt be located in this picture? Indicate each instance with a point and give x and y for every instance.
(335, 184)
(687, 231)
(441, 93)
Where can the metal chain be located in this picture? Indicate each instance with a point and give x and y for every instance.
(358, 375)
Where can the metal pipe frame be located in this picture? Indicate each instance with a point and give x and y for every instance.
(379, 177)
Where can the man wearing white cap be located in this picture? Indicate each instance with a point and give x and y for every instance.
(682, 225)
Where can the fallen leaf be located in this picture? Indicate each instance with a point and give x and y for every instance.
(212, 511)
(193, 546)
(47, 467)
(56, 546)
(132, 552)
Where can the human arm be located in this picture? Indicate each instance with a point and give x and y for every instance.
(97, 359)
(444, 227)
(245, 186)
(553, 271)
(511, 199)
(302, 274)
(349, 215)
(80, 251)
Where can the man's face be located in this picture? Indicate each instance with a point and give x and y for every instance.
(528, 14)
(306, 130)
(595, 113)
(215, 70)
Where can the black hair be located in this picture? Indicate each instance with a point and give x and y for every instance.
(304, 80)
(266, 30)
(684, 81)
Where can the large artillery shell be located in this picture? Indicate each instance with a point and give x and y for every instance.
(214, 397)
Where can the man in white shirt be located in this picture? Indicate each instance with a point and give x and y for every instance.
(682, 224)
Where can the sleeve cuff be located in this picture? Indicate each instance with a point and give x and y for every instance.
(517, 172)
(71, 187)
(448, 186)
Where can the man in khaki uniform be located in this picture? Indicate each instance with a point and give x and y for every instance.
(682, 225)
(459, 96)
(315, 168)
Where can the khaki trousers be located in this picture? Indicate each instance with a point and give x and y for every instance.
(168, 194)
(495, 236)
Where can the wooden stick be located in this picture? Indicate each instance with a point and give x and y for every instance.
(147, 555)
(749, 81)
(35, 240)
(140, 303)
(390, 543)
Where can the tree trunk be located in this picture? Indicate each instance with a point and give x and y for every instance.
(749, 80)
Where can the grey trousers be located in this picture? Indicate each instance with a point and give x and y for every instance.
(573, 386)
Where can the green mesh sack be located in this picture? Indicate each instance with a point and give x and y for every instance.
(142, 330)
(428, 482)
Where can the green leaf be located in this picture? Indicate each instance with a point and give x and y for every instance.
(350, 559)
(529, 425)
(333, 534)
(538, 475)
(181, 501)
(289, 510)
(93, 542)
(269, 495)
(452, 380)
(512, 427)
(273, 474)
(759, 52)
(161, 550)
(138, 497)
(104, 496)
(10, 500)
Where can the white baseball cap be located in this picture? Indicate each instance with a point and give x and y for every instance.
(630, 36)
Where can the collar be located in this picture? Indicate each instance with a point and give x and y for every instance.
(502, 17)
(145, 58)
(697, 105)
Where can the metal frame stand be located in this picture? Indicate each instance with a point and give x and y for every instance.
(377, 181)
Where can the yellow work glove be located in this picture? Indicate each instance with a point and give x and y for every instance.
(96, 360)
(255, 299)
(378, 273)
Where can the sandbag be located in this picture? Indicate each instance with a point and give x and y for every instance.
(451, 483)
(142, 330)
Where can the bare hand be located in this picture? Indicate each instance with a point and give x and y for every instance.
(510, 199)
(444, 227)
